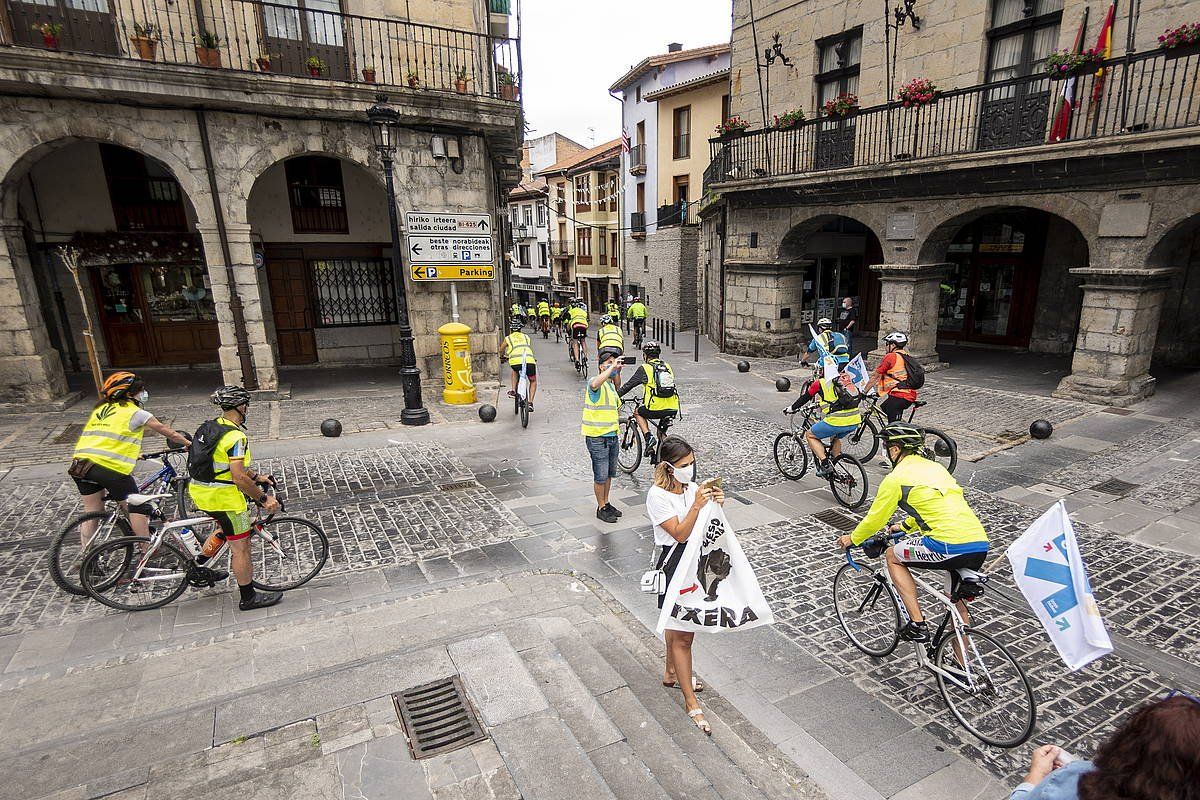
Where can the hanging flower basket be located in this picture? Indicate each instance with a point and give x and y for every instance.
(1181, 41)
(918, 92)
(1064, 64)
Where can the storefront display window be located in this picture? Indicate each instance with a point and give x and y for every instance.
(178, 293)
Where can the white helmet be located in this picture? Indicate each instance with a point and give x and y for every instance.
(824, 322)
(897, 338)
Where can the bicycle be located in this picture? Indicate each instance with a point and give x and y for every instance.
(69, 546)
(863, 443)
(136, 573)
(632, 442)
(871, 613)
(521, 400)
(581, 364)
(847, 477)
(544, 325)
(639, 332)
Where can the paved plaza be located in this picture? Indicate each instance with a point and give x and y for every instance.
(463, 541)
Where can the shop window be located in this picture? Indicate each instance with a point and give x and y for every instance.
(353, 291)
(177, 293)
(145, 195)
(316, 194)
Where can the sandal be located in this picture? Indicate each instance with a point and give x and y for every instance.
(697, 715)
(697, 684)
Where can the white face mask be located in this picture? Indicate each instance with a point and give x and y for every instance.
(143, 396)
(684, 474)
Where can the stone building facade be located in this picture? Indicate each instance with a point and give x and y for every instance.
(1009, 210)
(184, 185)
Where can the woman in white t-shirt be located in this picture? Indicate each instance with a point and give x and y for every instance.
(673, 505)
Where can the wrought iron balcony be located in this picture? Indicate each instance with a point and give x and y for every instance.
(1154, 91)
(673, 215)
(637, 223)
(637, 159)
(251, 36)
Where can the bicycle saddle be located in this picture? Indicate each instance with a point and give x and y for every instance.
(920, 403)
(142, 499)
(972, 575)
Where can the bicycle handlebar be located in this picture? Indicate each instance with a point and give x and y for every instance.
(161, 453)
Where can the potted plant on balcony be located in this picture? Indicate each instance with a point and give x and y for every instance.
(460, 80)
(50, 32)
(368, 73)
(1181, 41)
(842, 106)
(918, 92)
(732, 127)
(1064, 64)
(207, 49)
(264, 61)
(789, 119)
(508, 84)
(315, 66)
(145, 40)
(414, 80)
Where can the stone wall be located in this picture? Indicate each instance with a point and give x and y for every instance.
(671, 284)
(1055, 321)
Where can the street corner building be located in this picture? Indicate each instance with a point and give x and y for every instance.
(213, 167)
(965, 172)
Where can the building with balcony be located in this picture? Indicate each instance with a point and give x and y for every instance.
(585, 200)
(670, 104)
(1007, 209)
(213, 168)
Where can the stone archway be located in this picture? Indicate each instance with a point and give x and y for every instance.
(1177, 339)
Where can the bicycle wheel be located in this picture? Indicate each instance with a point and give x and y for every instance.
(289, 553)
(866, 610)
(864, 442)
(69, 546)
(791, 456)
(629, 456)
(120, 575)
(848, 481)
(941, 448)
(995, 702)
(525, 414)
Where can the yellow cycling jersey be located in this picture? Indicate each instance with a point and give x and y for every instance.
(931, 498)
(637, 311)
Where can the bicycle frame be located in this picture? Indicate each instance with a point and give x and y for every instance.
(158, 537)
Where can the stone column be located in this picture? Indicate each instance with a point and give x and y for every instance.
(909, 299)
(30, 369)
(1118, 326)
(241, 251)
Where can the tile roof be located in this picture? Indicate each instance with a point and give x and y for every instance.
(534, 188)
(579, 159)
(662, 59)
(683, 86)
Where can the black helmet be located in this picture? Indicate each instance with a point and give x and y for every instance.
(515, 324)
(909, 438)
(651, 349)
(228, 397)
(606, 353)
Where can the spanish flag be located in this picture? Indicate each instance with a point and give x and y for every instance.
(1104, 48)
(1061, 128)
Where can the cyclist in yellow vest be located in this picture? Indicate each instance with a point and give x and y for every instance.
(609, 337)
(637, 315)
(613, 310)
(543, 312)
(660, 399)
(221, 447)
(518, 349)
(109, 447)
(840, 415)
(600, 423)
(577, 320)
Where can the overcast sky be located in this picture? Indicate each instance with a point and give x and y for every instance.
(574, 50)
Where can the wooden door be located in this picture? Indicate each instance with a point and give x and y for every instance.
(296, 30)
(122, 316)
(292, 310)
(88, 26)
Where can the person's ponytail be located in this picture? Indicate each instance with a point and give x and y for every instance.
(671, 450)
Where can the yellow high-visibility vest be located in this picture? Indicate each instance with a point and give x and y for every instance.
(650, 400)
(106, 439)
(221, 494)
(600, 418)
(519, 349)
(610, 336)
(579, 316)
(849, 416)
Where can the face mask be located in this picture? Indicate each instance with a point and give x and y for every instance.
(143, 396)
(684, 474)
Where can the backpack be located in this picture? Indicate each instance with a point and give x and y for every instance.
(664, 380)
(835, 344)
(916, 373)
(203, 447)
(846, 399)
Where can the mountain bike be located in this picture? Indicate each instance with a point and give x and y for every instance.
(847, 477)
(864, 443)
(632, 442)
(981, 682)
(84, 531)
(137, 573)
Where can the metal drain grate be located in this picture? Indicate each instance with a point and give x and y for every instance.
(69, 434)
(468, 483)
(438, 717)
(1114, 486)
(831, 516)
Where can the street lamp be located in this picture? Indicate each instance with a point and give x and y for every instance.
(384, 119)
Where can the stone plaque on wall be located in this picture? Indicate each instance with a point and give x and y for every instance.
(902, 226)
(1125, 220)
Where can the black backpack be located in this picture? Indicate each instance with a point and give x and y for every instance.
(203, 446)
(916, 373)
(846, 399)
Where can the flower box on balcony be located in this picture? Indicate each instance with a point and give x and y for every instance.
(207, 52)
(1182, 41)
(1182, 50)
(147, 47)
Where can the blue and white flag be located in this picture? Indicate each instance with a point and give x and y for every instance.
(858, 372)
(1049, 571)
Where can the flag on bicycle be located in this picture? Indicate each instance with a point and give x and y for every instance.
(1049, 570)
(858, 372)
(714, 588)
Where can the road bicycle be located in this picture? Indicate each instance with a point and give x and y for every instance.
(639, 333)
(632, 442)
(864, 443)
(986, 690)
(136, 573)
(544, 325)
(581, 364)
(521, 398)
(847, 477)
(82, 532)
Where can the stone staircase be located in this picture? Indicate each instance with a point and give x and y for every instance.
(567, 687)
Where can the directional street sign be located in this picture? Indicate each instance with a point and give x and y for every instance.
(452, 272)
(430, 249)
(448, 224)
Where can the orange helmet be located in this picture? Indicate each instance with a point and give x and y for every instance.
(118, 385)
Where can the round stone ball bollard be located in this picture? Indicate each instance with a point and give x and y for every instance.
(743, 366)
(1041, 429)
(783, 384)
(487, 412)
(331, 427)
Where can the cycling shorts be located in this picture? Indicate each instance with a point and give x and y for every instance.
(928, 553)
(579, 332)
(662, 413)
(100, 479)
(530, 369)
(823, 430)
(234, 524)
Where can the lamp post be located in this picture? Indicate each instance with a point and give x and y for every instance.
(383, 119)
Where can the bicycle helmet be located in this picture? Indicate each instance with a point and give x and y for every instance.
(228, 397)
(651, 350)
(824, 324)
(515, 324)
(606, 320)
(897, 338)
(607, 353)
(120, 385)
(909, 438)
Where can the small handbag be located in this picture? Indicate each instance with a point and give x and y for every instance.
(79, 468)
(654, 581)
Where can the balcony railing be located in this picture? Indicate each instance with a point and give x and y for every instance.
(674, 214)
(251, 36)
(523, 232)
(560, 248)
(637, 159)
(1153, 91)
(637, 222)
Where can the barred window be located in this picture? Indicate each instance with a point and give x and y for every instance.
(353, 291)
(316, 194)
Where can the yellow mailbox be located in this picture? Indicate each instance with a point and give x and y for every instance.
(456, 364)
